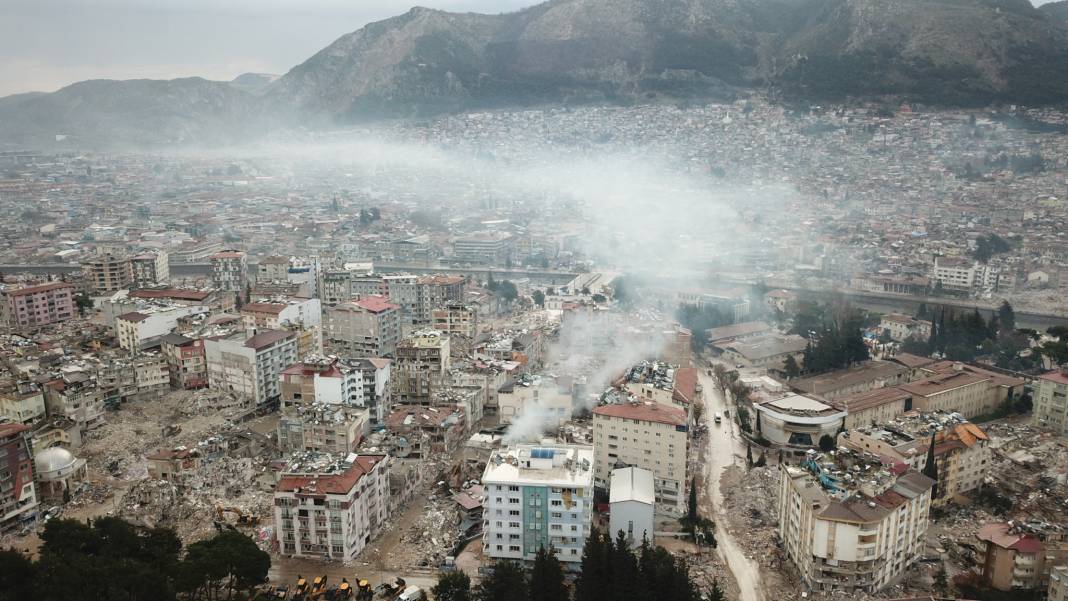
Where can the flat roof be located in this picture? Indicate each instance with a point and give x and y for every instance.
(631, 484)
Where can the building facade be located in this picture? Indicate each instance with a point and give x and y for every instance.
(334, 510)
(420, 366)
(18, 497)
(149, 270)
(229, 271)
(646, 435)
(1051, 400)
(857, 535)
(368, 327)
(537, 497)
(37, 306)
(250, 367)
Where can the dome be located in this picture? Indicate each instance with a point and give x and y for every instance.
(53, 461)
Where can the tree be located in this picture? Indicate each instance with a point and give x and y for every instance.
(546, 581)
(762, 460)
(691, 506)
(621, 291)
(229, 561)
(790, 367)
(941, 581)
(715, 593)
(1007, 317)
(827, 443)
(748, 455)
(930, 469)
(506, 583)
(508, 291)
(83, 302)
(452, 586)
(539, 298)
(885, 337)
(17, 576)
(599, 298)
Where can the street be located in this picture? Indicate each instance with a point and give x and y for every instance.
(725, 449)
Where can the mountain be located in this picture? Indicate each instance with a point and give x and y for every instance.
(135, 112)
(253, 83)
(1058, 10)
(963, 52)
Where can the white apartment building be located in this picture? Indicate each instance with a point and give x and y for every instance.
(964, 275)
(229, 271)
(250, 367)
(903, 327)
(1051, 400)
(537, 496)
(22, 401)
(548, 397)
(362, 383)
(137, 329)
(150, 269)
(331, 509)
(849, 524)
(646, 435)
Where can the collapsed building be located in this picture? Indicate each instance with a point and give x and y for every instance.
(849, 522)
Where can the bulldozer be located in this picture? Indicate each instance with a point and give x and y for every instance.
(269, 592)
(243, 519)
(301, 589)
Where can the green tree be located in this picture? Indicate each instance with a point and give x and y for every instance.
(1007, 317)
(691, 505)
(790, 367)
(539, 298)
(506, 583)
(546, 581)
(229, 561)
(941, 581)
(715, 593)
(452, 586)
(930, 469)
(18, 576)
(748, 455)
(508, 291)
(593, 581)
(827, 443)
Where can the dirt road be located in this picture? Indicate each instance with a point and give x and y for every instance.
(725, 449)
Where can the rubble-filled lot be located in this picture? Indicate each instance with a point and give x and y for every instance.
(232, 471)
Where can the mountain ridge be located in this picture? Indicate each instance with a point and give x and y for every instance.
(426, 61)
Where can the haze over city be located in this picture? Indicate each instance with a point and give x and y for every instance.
(582, 300)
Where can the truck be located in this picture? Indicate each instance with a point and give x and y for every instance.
(718, 418)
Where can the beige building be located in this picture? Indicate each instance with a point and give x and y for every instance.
(22, 401)
(903, 327)
(863, 377)
(1019, 556)
(331, 508)
(874, 406)
(107, 273)
(455, 318)
(250, 367)
(965, 389)
(962, 452)
(1051, 400)
(849, 524)
(421, 366)
(368, 327)
(336, 429)
(646, 435)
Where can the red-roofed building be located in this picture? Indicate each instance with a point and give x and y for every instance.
(1015, 556)
(18, 497)
(37, 306)
(368, 327)
(250, 368)
(331, 511)
(1051, 399)
(646, 435)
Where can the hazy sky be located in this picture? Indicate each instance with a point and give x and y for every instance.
(47, 44)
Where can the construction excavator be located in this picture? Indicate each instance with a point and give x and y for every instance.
(316, 590)
(243, 519)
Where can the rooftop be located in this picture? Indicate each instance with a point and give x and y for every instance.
(543, 465)
(647, 411)
(38, 289)
(307, 475)
(868, 371)
(631, 484)
(267, 338)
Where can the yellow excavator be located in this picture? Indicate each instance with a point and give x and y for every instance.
(243, 519)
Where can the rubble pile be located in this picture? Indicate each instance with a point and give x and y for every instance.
(432, 538)
(749, 499)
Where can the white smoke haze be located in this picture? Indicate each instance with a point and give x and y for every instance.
(533, 422)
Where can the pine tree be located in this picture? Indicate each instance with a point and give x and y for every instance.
(546, 581)
(749, 455)
(691, 509)
(506, 583)
(715, 593)
(931, 468)
(452, 586)
(592, 583)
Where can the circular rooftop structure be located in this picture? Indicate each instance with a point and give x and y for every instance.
(54, 463)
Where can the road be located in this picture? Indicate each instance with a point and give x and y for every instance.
(725, 449)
